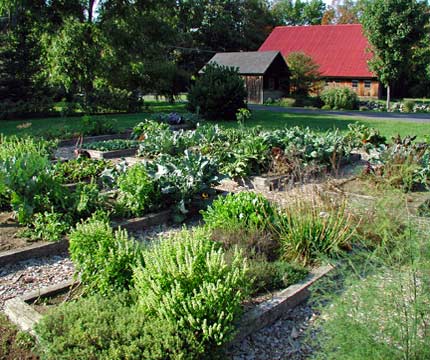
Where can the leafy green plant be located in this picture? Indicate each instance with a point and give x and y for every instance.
(244, 209)
(80, 169)
(183, 180)
(157, 138)
(26, 178)
(187, 281)
(250, 156)
(111, 145)
(49, 225)
(218, 93)
(100, 327)
(403, 164)
(88, 199)
(103, 258)
(137, 192)
(309, 229)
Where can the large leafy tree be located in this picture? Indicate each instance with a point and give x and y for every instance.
(394, 28)
(343, 12)
(298, 12)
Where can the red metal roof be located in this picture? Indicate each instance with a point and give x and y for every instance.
(340, 50)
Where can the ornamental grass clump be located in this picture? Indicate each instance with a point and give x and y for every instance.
(103, 258)
(309, 229)
(188, 282)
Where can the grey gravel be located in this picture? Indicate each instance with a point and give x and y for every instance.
(284, 339)
(30, 275)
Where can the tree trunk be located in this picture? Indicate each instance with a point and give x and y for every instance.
(388, 98)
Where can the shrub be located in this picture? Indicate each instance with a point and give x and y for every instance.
(241, 210)
(340, 98)
(218, 93)
(309, 229)
(137, 192)
(287, 102)
(186, 281)
(326, 107)
(305, 75)
(408, 106)
(103, 258)
(97, 125)
(106, 328)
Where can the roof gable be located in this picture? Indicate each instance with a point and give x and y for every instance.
(340, 50)
(248, 63)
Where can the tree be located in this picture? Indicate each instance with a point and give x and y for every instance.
(393, 28)
(218, 93)
(342, 12)
(298, 12)
(305, 75)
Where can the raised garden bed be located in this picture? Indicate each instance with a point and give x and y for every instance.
(97, 154)
(25, 315)
(90, 139)
(22, 251)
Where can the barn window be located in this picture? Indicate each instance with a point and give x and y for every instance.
(354, 84)
(367, 84)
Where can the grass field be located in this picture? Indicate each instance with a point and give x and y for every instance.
(268, 120)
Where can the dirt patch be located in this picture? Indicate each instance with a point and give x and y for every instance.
(10, 238)
(14, 345)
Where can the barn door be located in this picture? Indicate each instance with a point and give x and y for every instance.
(254, 86)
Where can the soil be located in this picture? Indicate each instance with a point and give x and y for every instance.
(10, 233)
(12, 345)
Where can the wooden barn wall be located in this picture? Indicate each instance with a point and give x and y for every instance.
(372, 92)
(254, 86)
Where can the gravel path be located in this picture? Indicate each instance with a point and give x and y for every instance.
(285, 339)
(33, 274)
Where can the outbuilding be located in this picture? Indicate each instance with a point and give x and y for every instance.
(265, 73)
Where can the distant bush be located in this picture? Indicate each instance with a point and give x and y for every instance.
(326, 107)
(188, 283)
(408, 106)
(218, 93)
(103, 258)
(340, 98)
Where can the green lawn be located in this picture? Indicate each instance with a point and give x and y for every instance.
(268, 120)
(273, 120)
(39, 126)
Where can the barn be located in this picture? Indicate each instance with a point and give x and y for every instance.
(341, 51)
(265, 73)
